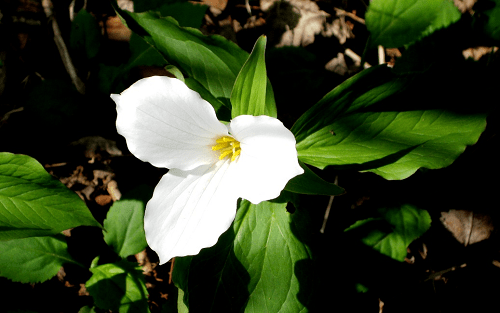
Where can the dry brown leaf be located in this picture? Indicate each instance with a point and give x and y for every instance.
(218, 4)
(297, 22)
(467, 227)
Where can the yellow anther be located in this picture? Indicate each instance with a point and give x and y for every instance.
(235, 154)
(225, 139)
(228, 147)
(220, 146)
(225, 153)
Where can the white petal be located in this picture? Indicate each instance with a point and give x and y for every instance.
(190, 210)
(167, 124)
(268, 158)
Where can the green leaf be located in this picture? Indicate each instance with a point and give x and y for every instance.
(172, 69)
(87, 309)
(186, 13)
(35, 259)
(253, 267)
(85, 34)
(213, 61)
(142, 53)
(393, 144)
(360, 91)
(392, 233)
(362, 125)
(124, 224)
(311, 184)
(249, 92)
(33, 203)
(115, 79)
(394, 23)
(487, 16)
(119, 287)
(181, 306)
(205, 94)
(447, 14)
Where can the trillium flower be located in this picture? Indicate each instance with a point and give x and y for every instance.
(211, 164)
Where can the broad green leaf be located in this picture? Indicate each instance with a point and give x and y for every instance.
(394, 23)
(119, 287)
(253, 267)
(311, 184)
(393, 144)
(392, 233)
(249, 92)
(35, 259)
(363, 125)
(447, 14)
(211, 60)
(270, 109)
(142, 53)
(33, 203)
(364, 89)
(124, 224)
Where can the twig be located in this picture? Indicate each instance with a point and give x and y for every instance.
(349, 14)
(356, 58)
(171, 271)
(61, 46)
(247, 6)
(381, 55)
(437, 274)
(327, 212)
(7, 115)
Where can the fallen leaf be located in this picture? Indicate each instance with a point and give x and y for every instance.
(467, 227)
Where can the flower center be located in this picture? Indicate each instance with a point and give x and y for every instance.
(228, 147)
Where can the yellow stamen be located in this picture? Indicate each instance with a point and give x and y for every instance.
(235, 154)
(228, 146)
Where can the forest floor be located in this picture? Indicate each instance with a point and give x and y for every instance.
(454, 267)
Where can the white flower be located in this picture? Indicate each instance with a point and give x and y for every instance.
(211, 164)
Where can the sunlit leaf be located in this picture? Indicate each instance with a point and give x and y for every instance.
(119, 287)
(254, 265)
(124, 224)
(394, 23)
(249, 91)
(392, 233)
(211, 60)
(362, 125)
(33, 260)
(447, 14)
(33, 203)
(398, 143)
